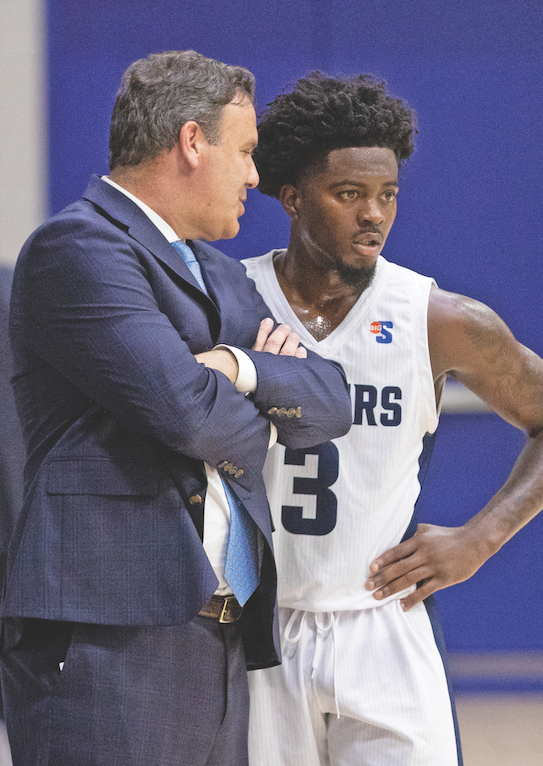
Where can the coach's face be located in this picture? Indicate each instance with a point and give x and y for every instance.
(227, 171)
(343, 212)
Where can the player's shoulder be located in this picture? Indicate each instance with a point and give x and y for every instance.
(402, 274)
(260, 263)
(453, 311)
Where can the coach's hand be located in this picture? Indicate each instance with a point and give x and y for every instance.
(280, 341)
(435, 557)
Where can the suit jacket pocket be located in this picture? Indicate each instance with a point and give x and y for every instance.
(102, 476)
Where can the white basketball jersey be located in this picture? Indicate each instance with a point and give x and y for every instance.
(339, 505)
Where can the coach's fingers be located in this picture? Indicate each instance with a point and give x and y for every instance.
(301, 353)
(276, 340)
(290, 346)
(266, 326)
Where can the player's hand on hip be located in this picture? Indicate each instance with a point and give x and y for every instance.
(435, 557)
(280, 341)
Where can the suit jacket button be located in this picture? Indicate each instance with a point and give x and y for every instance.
(239, 473)
(222, 464)
(291, 412)
(282, 411)
(233, 470)
(272, 410)
(195, 499)
(226, 467)
(299, 412)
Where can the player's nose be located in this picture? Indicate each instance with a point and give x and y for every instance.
(371, 210)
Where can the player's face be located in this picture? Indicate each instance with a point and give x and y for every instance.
(227, 172)
(345, 211)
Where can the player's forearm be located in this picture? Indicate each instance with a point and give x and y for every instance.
(438, 557)
(515, 504)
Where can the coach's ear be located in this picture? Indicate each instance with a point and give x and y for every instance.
(289, 198)
(192, 143)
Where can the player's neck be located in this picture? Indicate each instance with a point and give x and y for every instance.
(319, 297)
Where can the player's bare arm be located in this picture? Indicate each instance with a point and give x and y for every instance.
(471, 343)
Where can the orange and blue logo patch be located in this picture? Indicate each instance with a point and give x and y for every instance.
(381, 330)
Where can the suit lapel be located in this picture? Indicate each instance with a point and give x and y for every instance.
(222, 290)
(119, 207)
(213, 274)
(138, 226)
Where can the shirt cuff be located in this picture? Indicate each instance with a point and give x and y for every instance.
(246, 380)
(273, 435)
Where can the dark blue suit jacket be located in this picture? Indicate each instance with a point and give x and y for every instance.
(11, 443)
(118, 416)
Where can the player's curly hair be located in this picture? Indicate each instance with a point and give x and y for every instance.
(299, 129)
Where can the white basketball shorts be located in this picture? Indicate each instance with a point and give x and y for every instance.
(364, 688)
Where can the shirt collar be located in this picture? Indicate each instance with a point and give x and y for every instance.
(164, 228)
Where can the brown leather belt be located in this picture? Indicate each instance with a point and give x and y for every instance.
(222, 608)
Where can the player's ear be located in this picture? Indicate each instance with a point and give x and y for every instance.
(288, 196)
(191, 142)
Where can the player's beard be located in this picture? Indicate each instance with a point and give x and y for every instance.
(359, 278)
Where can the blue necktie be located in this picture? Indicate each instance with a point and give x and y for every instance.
(190, 259)
(241, 569)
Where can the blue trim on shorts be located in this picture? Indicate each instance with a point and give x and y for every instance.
(435, 622)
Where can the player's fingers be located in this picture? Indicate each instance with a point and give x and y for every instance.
(398, 584)
(392, 572)
(394, 555)
(417, 596)
(301, 352)
(266, 326)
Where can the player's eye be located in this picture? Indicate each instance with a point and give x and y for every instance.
(390, 196)
(348, 194)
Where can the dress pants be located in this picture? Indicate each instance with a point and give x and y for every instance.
(98, 695)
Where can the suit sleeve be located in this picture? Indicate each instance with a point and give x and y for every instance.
(91, 314)
(306, 399)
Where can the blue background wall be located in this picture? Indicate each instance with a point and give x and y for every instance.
(470, 209)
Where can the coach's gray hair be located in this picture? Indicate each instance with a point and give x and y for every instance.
(162, 92)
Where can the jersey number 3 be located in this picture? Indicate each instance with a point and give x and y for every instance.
(310, 505)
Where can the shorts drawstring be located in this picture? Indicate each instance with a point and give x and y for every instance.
(290, 625)
(324, 621)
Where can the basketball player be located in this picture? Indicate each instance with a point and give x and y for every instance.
(363, 680)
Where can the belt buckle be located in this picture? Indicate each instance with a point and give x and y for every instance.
(225, 609)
